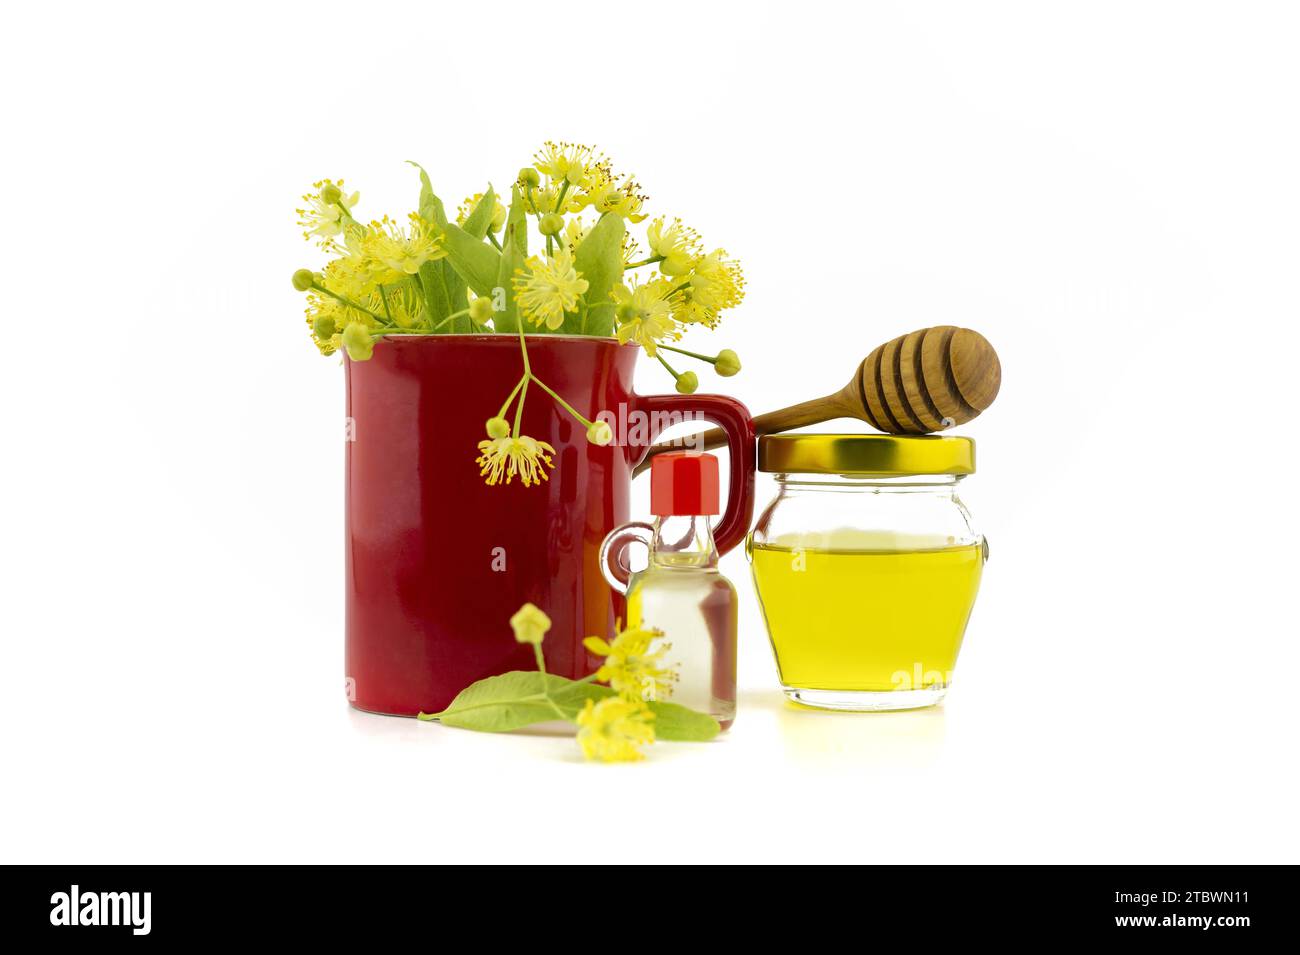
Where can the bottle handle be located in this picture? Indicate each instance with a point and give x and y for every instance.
(613, 551)
(733, 418)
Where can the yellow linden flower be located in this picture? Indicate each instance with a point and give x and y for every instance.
(631, 249)
(716, 283)
(574, 230)
(546, 198)
(567, 161)
(401, 301)
(323, 217)
(546, 288)
(634, 664)
(530, 624)
(402, 251)
(326, 319)
(357, 278)
(349, 277)
(605, 195)
(614, 729)
(676, 244)
(498, 212)
(502, 458)
(644, 314)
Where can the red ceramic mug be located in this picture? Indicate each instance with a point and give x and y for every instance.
(437, 561)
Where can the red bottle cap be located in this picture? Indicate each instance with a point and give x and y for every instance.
(683, 482)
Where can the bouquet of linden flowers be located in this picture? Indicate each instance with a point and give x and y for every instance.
(587, 276)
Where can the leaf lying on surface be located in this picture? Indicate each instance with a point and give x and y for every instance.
(511, 701)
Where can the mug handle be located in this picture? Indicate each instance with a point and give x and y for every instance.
(734, 419)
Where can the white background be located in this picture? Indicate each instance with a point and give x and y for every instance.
(1108, 191)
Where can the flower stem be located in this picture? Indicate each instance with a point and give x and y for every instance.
(528, 374)
(463, 311)
(346, 301)
(519, 408)
(495, 241)
(564, 404)
(663, 361)
(651, 260)
(518, 384)
(532, 203)
(383, 297)
(683, 351)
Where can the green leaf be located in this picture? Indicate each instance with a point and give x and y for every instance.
(477, 222)
(682, 724)
(456, 295)
(473, 259)
(431, 209)
(436, 301)
(503, 703)
(444, 293)
(444, 286)
(518, 217)
(511, 701)
(571, 696)
(515, 251)
(600, 260)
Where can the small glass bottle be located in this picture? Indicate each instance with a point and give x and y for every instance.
(681, 591)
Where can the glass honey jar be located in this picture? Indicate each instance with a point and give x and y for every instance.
(866, 565)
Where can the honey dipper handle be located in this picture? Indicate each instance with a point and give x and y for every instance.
(796, 416)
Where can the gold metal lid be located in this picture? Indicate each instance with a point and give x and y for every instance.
(870, 455)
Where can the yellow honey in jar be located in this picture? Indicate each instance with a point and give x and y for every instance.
(866, 564)
(854, 610)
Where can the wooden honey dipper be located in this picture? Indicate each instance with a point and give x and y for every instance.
(924, 381)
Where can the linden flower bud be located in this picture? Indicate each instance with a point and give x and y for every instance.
(727, 363)
(323, 327)
(552, 224)
(626, 312)
(357, 340)
(600, 433)
(687, 382)
(497, 428)
(330, 194)
(480, 310)
(530, 624)
(528, 176)
(303, 279)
